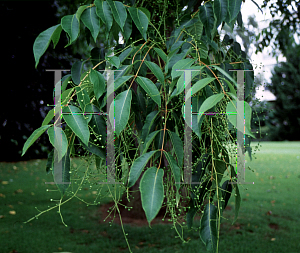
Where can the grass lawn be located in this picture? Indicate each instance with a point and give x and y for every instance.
(268, 222)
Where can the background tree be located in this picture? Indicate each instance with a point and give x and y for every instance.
(284, 119)
(281, 30)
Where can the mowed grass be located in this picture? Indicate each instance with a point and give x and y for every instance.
(268, 218)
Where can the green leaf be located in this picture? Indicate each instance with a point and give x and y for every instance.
(55, 135)
(66, 95)
(198, 86)
(122, 110)
(237, 202)
(84, 101)
(231, 108)
(226, 193)
(140, 19)
(115, 61)
(76, 71)
(43, 40)
(99, 83)
(48, 117)
(123, 56)
(152, 192)
(209, 103)
(181, 65)
(208, 227)
(220, 10)
(94, 149)
(70, 24)
(79, 11)
(150, 88)
(234, 8)
(33, 137)
(196, 29)
(149, 140)
(137, 167)
(174, 167)
(75, 120)
(156, 71)
(206, 16)
(121, 80)
(148, 124)
(177, 146)
(119, 12)
(91, 21)
(98, 124)
(104, 12)
(63, 182)
(148, 14)
(127, 28)
(161, 54)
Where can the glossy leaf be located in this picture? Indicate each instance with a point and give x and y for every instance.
(208, 227)
(231, 108)
(198, 86)
(62, 178)
(124, 55)
(119, 12)
(234, 8)
(58, 140)
(48, 118)
(98, 81)
(148, 124)
(226, 193)
(91, 21)
(33, 137)
(156, 71)
(150, 88)
(140, 20)
(137, 167)
(122, 110)
(149, 140)
(79, 11)
(206, 16)
(115, 61)
(196, 29)
(104, 12)
(84, 102)
(161, 54)
(209, 103)
(121, 80)
(127, 28)
(75, 120)
(98, 124)
(220, 10)
(174, 167)
(177, 146)
(66, 95)
(43, 40)
(94, 150)
(181, 65)
(76, 72)
(70, 24)
(152, 192)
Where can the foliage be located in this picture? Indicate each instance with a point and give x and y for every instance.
(284, 119)
(161, 39)
(282, 28)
